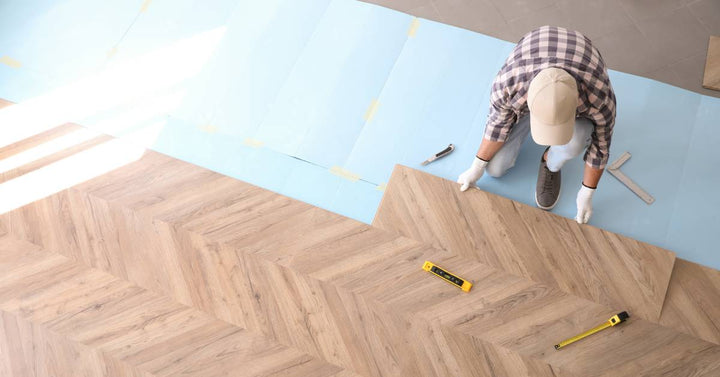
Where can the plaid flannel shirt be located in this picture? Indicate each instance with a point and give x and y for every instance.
(548, 47)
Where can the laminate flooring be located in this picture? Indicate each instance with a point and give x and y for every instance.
(161, 267)
(692, 304)
(580, 259)
(59, 317)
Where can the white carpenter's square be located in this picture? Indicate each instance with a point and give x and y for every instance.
(614, 169)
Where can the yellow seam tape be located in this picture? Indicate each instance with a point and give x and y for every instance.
(112, 52)
(145, 5)
(381, 187)
(253, 143)
(10, 62)
(413, 27)
(340, 172)
(370, 113)
(209, 128)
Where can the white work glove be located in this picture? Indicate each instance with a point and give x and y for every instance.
(470, 176)
(584, 204)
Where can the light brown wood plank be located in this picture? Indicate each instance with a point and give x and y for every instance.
(57, 313)
(29, 350)
(153, 180)
(38, 139)
(692, 304)
(580, 259)
(269, 311)
(512, 303)
(334, 289)
(49, 159)
(711, 78)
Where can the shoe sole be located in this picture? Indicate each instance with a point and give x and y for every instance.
(550, 207)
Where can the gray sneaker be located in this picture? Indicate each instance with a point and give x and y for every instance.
(547, 191)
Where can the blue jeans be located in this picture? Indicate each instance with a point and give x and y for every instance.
(558, 155)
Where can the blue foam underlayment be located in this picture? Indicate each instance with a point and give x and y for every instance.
(263, 41)
(342, 68)
(57, 42)
(167, 21)
(438, 86)
(299, 76)
(278, 172)
(695, 220)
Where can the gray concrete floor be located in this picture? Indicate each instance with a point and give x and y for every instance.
(665, 40)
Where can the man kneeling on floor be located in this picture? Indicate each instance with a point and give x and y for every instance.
(553, 85)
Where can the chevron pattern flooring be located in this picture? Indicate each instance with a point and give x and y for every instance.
(163, 268)
(541, 246)
(583, 260)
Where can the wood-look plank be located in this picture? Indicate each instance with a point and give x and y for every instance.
(53, 157)
(29, 350)
(298, 334)
(349, 294)
(580, 259)
(711, 78)
(38, 139)
(62, 318)
(692, 304)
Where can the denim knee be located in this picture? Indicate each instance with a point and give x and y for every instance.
(497, 168)
(581, 139)
(574, 148)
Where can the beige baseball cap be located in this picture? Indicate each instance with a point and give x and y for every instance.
(552, 100)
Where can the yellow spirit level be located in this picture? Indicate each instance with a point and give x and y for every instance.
(614, 320)
(447, 276)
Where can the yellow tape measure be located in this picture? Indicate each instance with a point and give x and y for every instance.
(447, 276)
(614, 320)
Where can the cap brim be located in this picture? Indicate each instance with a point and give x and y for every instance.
(551, 134)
